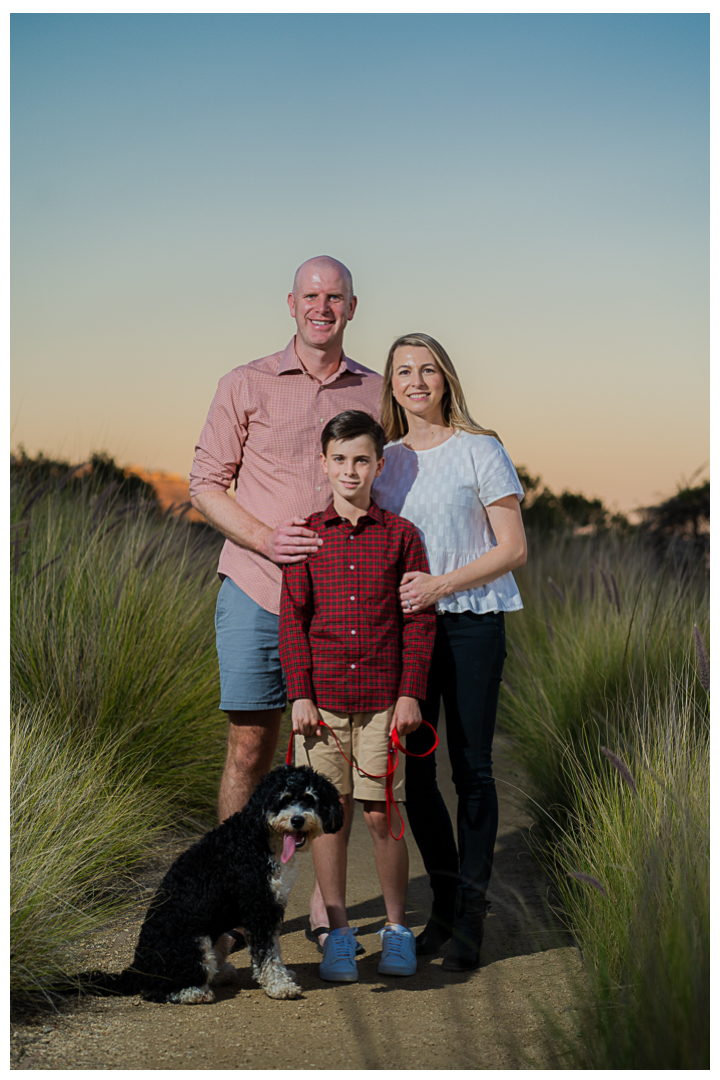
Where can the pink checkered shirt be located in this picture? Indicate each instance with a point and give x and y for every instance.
(263, 432)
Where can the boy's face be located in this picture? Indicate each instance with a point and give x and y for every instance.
(351, 465)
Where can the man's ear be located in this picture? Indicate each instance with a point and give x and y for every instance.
(291, 304)
(380, 466)
(353, 305)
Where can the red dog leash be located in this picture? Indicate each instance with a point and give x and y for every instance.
(394, 745)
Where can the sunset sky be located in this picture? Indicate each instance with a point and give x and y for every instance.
(532, 190)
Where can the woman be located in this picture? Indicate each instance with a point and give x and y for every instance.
(455, 481)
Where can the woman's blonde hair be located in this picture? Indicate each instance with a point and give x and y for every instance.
(454, 407)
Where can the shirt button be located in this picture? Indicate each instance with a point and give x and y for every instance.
(352, 631)
(352, 597)
(319, 487)
(352, 666)
(352, 567)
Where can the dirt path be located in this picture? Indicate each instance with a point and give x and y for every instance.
(487, 1019)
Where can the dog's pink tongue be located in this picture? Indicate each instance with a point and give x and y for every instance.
(288, 846)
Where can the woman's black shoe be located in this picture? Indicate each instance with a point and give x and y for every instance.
(433, 937)
(467, 937)
(442, 913)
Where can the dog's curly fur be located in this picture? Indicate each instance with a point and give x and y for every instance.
(238, 875)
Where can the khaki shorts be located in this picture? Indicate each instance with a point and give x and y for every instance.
(364, 738)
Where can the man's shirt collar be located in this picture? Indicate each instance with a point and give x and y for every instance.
(289, 361)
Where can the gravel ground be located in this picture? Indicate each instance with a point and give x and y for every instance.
(492, 1018)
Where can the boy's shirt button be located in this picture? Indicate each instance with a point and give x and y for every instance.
(352, 666)
(352, 631)
(352, 597)
(352, 567)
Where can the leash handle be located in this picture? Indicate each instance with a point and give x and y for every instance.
(394, 747)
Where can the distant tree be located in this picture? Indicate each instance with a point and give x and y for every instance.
(682, 521)
(544, 511)
(41, 474)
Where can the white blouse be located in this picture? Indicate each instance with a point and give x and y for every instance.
(444, 492)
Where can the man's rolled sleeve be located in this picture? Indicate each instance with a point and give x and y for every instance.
(219, 451)
(296, 612)
(418, 636)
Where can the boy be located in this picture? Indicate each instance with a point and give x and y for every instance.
(354, 659)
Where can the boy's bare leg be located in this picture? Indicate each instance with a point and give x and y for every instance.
(391, 861)
(330, 861)
(317, 910)
(252, 741)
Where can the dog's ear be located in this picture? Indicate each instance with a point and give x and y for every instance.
(330, 807)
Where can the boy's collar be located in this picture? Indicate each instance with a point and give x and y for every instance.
(373, 511)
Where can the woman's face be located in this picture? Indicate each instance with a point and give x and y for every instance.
(418, 384)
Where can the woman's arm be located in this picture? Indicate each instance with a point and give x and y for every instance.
(424, 590)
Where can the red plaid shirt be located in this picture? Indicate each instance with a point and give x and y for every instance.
(344, 642)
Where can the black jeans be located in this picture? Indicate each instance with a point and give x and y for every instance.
(466, 672)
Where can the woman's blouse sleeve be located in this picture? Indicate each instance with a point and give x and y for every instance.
(495, 472)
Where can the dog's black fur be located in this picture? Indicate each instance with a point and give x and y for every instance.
(233, 877)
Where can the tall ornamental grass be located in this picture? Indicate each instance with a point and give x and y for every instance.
(634, 876)
(79, 823)
(605, 628)
(112, 622)
(607, 702)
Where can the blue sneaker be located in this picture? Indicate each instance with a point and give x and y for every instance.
(398, 951)
(338, 963)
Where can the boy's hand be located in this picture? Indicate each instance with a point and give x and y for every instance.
(407, 716)
(305, 717)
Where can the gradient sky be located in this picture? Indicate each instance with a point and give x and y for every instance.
(532, 190)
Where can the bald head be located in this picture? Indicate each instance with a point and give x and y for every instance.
(307, 270)
(322, 304)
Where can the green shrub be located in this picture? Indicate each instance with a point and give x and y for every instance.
(112, 621)
(634, 876)
(78, 824)
(608, 710)
(604, 629)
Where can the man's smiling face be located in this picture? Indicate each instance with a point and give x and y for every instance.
(322, 304)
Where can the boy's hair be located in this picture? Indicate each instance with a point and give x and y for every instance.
(351, 424)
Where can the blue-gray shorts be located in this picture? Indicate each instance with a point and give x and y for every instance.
(248, 653)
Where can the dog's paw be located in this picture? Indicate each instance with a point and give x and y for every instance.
(192, 995)
(283, 990)
(283, 985)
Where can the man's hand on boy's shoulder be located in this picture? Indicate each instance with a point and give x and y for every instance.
(305, 717)
(407, 716)
(290, 542)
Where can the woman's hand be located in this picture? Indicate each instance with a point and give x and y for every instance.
(407, 716)
(305, 717)
(424, 590)
(419, 591)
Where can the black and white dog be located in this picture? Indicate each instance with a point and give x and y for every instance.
(238, 875)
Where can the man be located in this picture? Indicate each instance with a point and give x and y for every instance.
(263, 432)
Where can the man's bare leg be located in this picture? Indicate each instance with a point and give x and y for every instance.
(252, 741)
